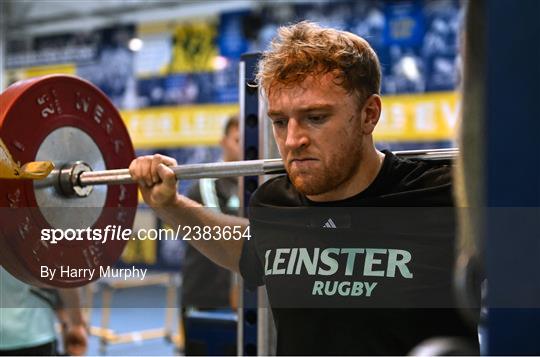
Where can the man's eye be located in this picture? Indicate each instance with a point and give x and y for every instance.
(279, 123)
(316, 118)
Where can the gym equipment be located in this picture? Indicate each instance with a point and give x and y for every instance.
(61, 119)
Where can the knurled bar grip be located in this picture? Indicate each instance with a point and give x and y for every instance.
(237, 168)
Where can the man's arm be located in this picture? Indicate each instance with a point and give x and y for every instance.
(185, 212)
(158, 186)
(74, 326)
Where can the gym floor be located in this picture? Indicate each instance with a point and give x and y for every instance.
(146, 310)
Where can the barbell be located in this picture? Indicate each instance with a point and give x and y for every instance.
(71, 124)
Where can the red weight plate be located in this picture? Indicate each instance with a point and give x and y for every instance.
(29, 112)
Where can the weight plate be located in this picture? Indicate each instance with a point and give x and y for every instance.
(62, 119)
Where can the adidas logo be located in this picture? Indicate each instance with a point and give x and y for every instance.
(329, 224)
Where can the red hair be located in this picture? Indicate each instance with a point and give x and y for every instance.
(306, 49)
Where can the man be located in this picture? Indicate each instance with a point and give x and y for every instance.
(341, 279)
(206, 285)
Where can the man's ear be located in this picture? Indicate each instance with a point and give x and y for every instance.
(371, 111)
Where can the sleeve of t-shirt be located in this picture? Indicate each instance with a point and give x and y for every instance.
(194, 192)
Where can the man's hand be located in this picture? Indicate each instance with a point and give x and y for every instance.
(156, 180)
(75, 340)
(158, 186)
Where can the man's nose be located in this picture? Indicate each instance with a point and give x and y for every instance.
(296, 135)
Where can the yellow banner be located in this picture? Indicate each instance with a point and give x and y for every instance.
(166, 127)
(418, 117)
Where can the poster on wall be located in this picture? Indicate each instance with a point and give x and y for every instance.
(194, 48)
(154, 49)
(112, 69)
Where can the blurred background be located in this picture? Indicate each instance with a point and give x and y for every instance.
(171, 68)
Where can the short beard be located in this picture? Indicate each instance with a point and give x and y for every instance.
(341, 169)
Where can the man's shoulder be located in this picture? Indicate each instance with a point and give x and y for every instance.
(419, 181)
(418, 174)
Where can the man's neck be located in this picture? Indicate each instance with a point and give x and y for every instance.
(370, 166)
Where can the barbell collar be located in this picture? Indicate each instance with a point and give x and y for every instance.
(68, 180)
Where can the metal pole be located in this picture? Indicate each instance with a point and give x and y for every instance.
(195, 171)
(266, 331)
(237, 168)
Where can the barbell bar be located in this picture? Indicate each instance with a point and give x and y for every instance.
(235, 168)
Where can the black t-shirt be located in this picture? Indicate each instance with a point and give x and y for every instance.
(371, 274)
(205, 284)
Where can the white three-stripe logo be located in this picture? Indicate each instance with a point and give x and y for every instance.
(329, 224)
